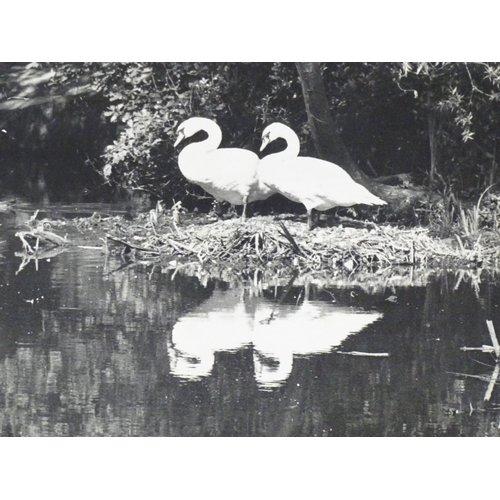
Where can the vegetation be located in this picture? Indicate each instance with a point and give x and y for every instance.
(422, 135)
(267, 247)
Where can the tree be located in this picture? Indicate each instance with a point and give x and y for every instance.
(327, 141)
(458, 104)
(329, 144)
(439, 122)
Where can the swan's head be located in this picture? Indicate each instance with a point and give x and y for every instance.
(273, 132)
(193, 125)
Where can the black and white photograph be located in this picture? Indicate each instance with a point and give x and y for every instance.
(202, 238)
(249, 249)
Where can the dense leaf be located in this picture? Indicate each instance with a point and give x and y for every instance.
(433, 120)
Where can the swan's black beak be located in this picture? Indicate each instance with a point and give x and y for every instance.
(180, 138)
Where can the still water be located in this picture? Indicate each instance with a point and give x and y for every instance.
(90, 346)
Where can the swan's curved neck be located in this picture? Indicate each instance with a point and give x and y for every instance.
(212, 142)
(292, 149)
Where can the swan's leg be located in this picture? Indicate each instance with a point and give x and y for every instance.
(244, 213)
(218, 208)
(317, 217)
(310, 218)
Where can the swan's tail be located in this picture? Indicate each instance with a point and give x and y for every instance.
(364, 196)
(375, 200)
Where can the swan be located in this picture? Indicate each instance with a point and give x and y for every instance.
(317, 184)
(227, 174)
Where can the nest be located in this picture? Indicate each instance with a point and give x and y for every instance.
(276, 245)
(269, 243)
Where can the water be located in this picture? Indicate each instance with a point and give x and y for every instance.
(90, 346)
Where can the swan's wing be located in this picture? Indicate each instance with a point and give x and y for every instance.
(315, 183)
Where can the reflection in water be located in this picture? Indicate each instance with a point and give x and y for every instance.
(228, 322)
(96, 348)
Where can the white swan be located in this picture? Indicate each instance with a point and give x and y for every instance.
(317, 184)
(227, 174)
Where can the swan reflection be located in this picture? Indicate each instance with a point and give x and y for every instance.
(229, 321)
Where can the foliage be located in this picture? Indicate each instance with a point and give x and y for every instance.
(467, 222)
(390, 115)
(463, 98)
(149, 100)
(375, 118)
(42, 110)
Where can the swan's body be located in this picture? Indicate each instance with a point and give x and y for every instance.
(317, 184)
(227, 174)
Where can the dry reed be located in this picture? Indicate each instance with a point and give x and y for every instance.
(271, 244)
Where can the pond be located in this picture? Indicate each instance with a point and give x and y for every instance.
(92, 345)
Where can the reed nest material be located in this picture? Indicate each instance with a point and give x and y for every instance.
(40, 237)
(275, 243)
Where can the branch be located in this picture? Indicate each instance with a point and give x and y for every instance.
(130, 245)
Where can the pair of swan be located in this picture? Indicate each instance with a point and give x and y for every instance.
(239, 177)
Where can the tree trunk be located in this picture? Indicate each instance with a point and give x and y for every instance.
(327, 141)
(433, 146)
(330, 147)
